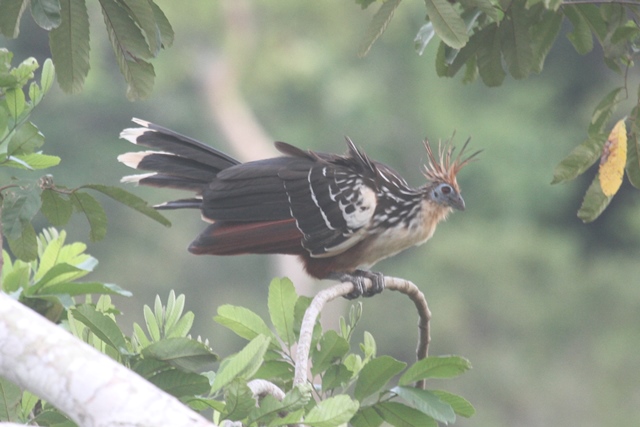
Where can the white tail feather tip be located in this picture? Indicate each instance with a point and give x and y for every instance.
(135, 179)
(132, 134)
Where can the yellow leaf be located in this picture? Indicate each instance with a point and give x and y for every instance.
(613, 160)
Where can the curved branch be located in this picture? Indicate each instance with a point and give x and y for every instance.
(261, 388)
(342, 289)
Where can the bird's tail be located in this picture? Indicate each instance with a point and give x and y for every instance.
(180, 162)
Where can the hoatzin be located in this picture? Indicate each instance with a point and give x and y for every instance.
(339, 214)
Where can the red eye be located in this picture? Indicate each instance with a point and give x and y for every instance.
(446, 189)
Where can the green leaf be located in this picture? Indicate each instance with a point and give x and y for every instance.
(594, 203)
(131, 200)
(103, 326)
(25, 247)
(626, 32)
(181, 328)
(69, 44)
(335, 376)
(244, 322)
(79, 288)
(243, 364)
(366, 417)
(56, 208)
(183, 353)
(378, 24)
(448, 25)
(180, 384)
(12, 11)
(543, 37)
(25, 140)
(460, 405)
(142, 13)
(633, 148)
(46, 13)
(239, 401)
(58, 273)
(401, 415)
(281, 303)
(32, 161)
(166, 32)
(593, 17)
(152, 323)
(603, 111)
(490, 56)
(19, 205)
(47, 76)
(516, 42)
(15, 279)
(580, 37)
(435, 367)
(427, 402)
(375, 375)
(15, 100)
(332, 348)
(10, 399)
(275, 369)
(93, 211)
(130, 48)
(465, 56)
(579, 160)
(334, 411)
(127, 37)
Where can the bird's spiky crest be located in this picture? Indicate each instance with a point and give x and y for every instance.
(445, 167)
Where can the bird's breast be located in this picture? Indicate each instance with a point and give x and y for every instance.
(386, 242)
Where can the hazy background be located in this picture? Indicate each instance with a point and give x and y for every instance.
(546, 309)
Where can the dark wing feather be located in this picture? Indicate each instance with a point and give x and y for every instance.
(160, 138)
(233, 238)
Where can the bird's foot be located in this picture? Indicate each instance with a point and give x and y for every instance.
(358, 279)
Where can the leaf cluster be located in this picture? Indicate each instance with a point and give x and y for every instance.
(493, 38)
(20, 143)
(359, 387)
(137, 29)
(354, 387)
(164, 354)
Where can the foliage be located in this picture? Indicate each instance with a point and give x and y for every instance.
(137, 29)
(350, 386)
(20, 141)
(490, 38)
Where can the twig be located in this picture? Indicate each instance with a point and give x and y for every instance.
(261, 388)
(341, 289)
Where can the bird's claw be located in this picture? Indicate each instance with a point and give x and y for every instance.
(359, 288)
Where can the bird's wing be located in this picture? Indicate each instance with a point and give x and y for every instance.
(332, 201)
(328, 198)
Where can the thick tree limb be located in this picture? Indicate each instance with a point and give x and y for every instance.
(88, 386)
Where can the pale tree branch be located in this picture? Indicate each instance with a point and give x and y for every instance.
(262, 388)
(342, 289)
(88, 386)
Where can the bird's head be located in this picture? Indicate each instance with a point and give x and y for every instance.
(441, 171)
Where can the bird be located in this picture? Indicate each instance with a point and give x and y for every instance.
(340, 214)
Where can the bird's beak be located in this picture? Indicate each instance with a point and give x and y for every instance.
(457, 202)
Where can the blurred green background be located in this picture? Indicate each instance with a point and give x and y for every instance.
(546, 309)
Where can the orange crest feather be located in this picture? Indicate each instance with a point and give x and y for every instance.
(445, 167)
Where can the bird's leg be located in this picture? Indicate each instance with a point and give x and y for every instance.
(359, 288)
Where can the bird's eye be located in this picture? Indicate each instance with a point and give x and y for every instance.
(446, 189)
